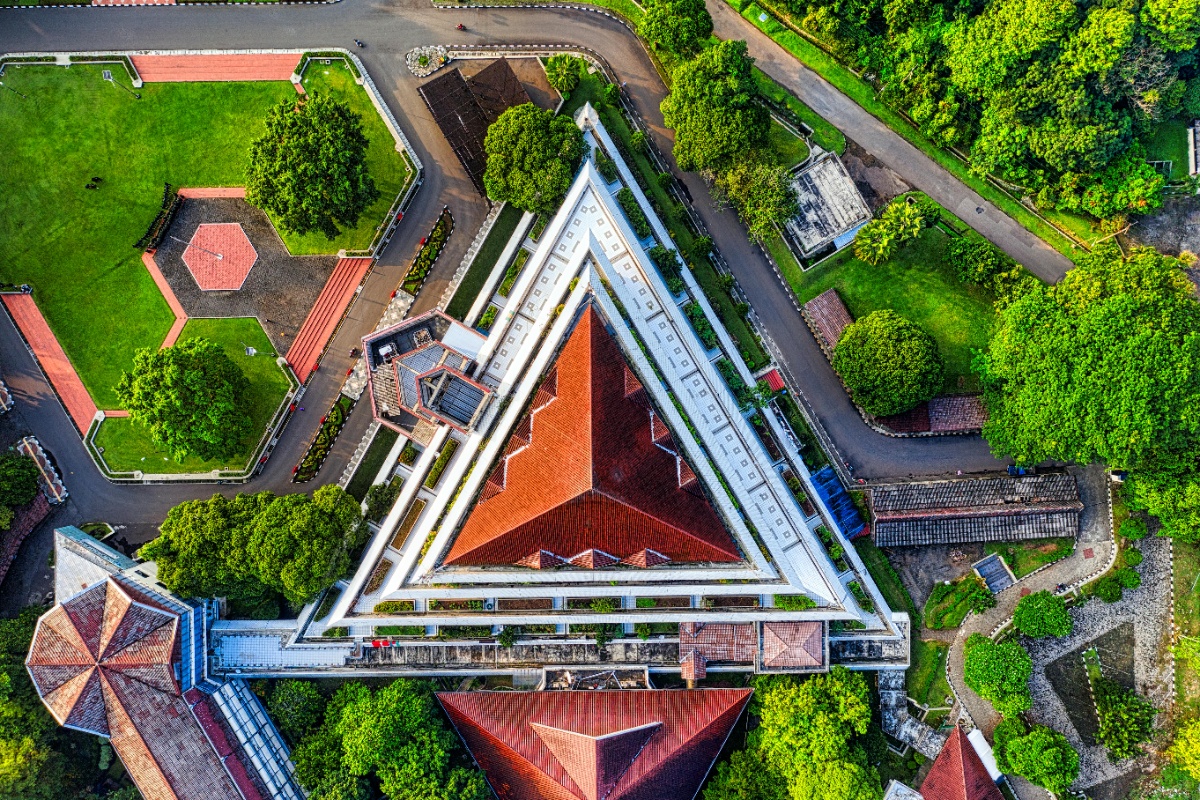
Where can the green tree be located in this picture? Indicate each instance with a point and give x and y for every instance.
(714, 108)
(532, 156)
(300, 546)
(1044, 757)
(888, 363)
(1068, 372)
(296, 707)
(309, 171)
(1042, 614)
(978, 261)
(999, 673)
(809, 731)
(562, 71)
(191, 396)
(679, 26)
(762, 194)
(18, 479)
(906, 220)
(1172, 24)
(745, 777)
(1126, 720)
(875, 242)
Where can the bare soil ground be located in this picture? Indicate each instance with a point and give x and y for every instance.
(877, 183)
(1175, 227)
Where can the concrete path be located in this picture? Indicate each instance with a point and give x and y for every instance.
(889, 147)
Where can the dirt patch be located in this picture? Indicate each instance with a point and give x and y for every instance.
(1068, 677)
(921, 567)
(877, 183)
(525, 604)
(1174, 227)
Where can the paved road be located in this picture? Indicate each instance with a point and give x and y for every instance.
(889, 147)
(390, 30)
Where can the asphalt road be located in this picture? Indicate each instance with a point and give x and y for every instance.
(391, 29)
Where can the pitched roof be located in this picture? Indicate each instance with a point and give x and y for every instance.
(593, 469)
(958, 773)
(719, 641)
(793, 644)
(103, 662)
(595, 745)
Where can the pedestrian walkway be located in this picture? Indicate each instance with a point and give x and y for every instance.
(53, 360)
(160, 281)
(326, 314)
(209, 192)
(133, 2)
(202, 67)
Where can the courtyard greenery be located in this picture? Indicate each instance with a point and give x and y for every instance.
(532, 156)
(1025, 557)
(75, 246)
(1115, 331)
(296, 707)
(681, 27)
(949, 603)
(888, 363)
(999, 672)
(128, 445)
(1186, 566)
(919, 284)
(309, 170)
(1039, 754)
(926, 679)
(322, 443)
(811, 742)
(371, 463)
(258, 548)
(1042, 614)
(191, 396)
(427, 256)
(1126, 720)
(392, 739)
(485, 261)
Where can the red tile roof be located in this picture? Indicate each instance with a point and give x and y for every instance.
(592, 475)
(103, 662)
(793, 644)
(719, 641)
(595, 745)
(958, 773)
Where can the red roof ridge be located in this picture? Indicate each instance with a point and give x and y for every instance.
(596, 763)
(958, 773)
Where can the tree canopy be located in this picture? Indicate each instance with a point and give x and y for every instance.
(191, 396)
(1184, 751)
(888, 363)
(714, 109)
(562, 71)
(394, 735)
(679, 26)
(296, 706)
(1104, 366)
(1042, 614)
(532, 156)
(1049, 95)
(18, 482)
(254, 544)
(1126, 720)
(309, 170)
(762, 194)
(808, 745)
(999, 673)
(1042, 756)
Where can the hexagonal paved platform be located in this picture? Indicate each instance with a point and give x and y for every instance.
(220, 256)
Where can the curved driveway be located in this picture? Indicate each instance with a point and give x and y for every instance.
(391, 29)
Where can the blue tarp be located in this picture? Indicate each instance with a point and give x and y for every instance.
(837, 499)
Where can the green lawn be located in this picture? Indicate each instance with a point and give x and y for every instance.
(389, 168)
(886, 577)
(926, 677)
(371, 462)
(948, 606)
(824, 134)
(75, 246)
(1169, 143)
(1185, 572)
(1024, 557)
(127, 446)
(919, 284)
(858, 90)
(485, 260)
(787, 147)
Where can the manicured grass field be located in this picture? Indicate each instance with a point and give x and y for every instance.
(919, 284)
(127, 445)
(485, 260)
(789, 149)
(948, 606)
(371, 462)
(1024, 557)
(75, 246)
(1169, 143)
(824, 134)
(885, 577)
(388, 167)
(927, 682)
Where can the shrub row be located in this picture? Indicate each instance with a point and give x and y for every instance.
(331, 426)
(428, 255)
(439, 466)
(633, 211)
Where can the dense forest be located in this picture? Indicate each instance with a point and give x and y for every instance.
(1048, 95)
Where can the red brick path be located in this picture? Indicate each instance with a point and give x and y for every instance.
(133, 2)
(325, 315)
(242, 67)
(213, 191)
(220, 256)
(53, 360)
(164, 287)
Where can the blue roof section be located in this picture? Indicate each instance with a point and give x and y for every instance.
(838, 501)
(97, 548)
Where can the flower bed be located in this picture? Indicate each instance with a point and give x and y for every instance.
(488, 318)
(318, 450)
(794, 602)
(836, 553)
(431, 248)
(456, 605)
(394, 606)
(633, 211)
(796, 486)
(400, 630)
(377, 576)
(700, 323)
(764, 434)
(406, 525)
(860, 596)
(439, 466)
(424, 61)
(514, 270)
(465, 632)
